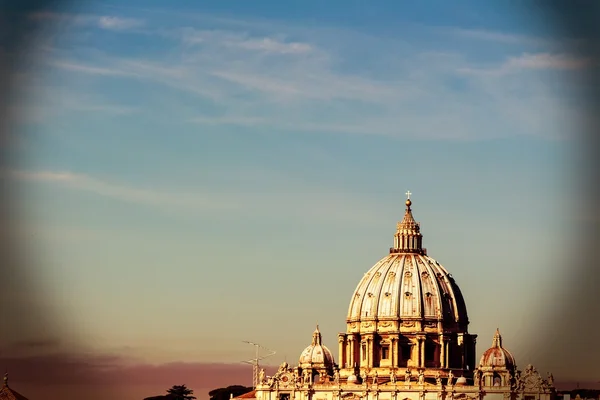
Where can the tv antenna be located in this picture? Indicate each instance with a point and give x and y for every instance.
(255, 361)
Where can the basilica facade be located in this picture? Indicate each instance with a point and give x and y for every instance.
(406, 338)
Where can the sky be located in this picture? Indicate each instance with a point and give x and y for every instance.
(206, 173)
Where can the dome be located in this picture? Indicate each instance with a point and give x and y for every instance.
(407, 312)
(497, 356)
(408, 285)
(461, 381)
(317, 355)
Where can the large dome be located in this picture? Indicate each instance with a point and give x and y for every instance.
(407, 312)
(409, 286)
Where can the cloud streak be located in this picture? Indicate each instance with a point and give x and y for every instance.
(498, 37)
(89, 69)
(234, 40)
(534, 62)
(306, 201)
(123, 192)
(106, 22)
(314, 84)
(549, 61)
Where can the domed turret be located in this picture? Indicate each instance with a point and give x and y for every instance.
(497, 356)
(317, 356)
(407, 311)
(497, 365)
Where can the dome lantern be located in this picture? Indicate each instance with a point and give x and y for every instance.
(317, 338)
(497, 341)
(408, 238)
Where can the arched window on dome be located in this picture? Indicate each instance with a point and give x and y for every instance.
(497, 379)
(317, 378)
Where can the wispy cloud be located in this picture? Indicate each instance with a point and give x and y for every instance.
(313, 83)
(124, 192)
(238, 41)
(549, 61)
(116, 23)
(308, 201)
(233, 120)
(178, 77)
(39, 106)
(107, 22)
(270, 45)
(106, 109)
(89, 69)
(536, 62)
(495, 36)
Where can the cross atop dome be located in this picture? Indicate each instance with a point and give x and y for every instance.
(408, 201)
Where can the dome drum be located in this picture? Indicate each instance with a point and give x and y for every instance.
(414, 350)
(394, 325)
(394, 250)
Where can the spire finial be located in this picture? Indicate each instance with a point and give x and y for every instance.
(408, 238)
(497, 342)
(317, 336)
(408, 202)
(6, 378)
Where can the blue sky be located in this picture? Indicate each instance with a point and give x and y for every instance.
(235, 168)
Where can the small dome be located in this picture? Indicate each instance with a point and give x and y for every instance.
(461, 381)
(316, 355)
(497, 356)
(352, 379)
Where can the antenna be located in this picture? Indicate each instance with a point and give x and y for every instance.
(256, 359)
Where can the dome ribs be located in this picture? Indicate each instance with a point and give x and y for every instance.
(409, 287)
(387, 301)
(410, 290)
